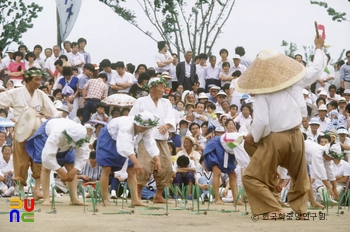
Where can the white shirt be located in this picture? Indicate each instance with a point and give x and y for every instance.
(346, 142)
(160, 57)
(322, 169)
(290, 101)
(313, 137)
(200, 71)
(50, 63)
(19, 99)
(56, 141)
(126, 78)
(163, 110)
(111, 75)
(35, 64)
(243, 122)
(187, 69)
(323, 124)
(76, 59)
(219, 65)
(193, 156)
(212, 73)
(5, 167)
(192, 163)
(240, 67)
(342, 169)
(121, 130)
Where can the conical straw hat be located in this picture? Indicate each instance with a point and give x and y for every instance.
(270, 72)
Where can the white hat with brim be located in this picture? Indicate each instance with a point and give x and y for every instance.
(323, 92)
(88, 126)
(219, 129)
(27, 125)
(193, 140)
(347, 91)
(322, 107)
(166, 75)
(203, 96)
(236, 56)
(63, 108)
(2, 88)
(342, 99)
(314, 121)
(214, 87)
(342, 131)
(11, 50)
(17, 83)
(184, 94)
(270, 72)
(306, 92)
(221, 92)
(320, 89)
(146, 119)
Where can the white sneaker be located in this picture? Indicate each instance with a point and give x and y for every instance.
(113, 194)
(201, 199)
(227, 199)
(210, 197)
(10, 191)
(125, 195)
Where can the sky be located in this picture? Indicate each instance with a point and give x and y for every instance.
(253, 24)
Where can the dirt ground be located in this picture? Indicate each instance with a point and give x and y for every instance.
(73, 218)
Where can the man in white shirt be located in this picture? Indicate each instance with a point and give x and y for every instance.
(161, 108)
(75, 58)
(37, 51)
(212, 73)
(122, 82)
(201, 68)
(275, 129)
(50, 62)
(244, 60)
(106, 67)
(60, 142)
(163, 57)
(324, 121)
(342, 173)
(314, 132)
(237, 64)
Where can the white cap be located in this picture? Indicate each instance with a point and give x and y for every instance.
(342, 131)
(88, 126)
(314, 121)
(236, 56)
(322, 107)
(323, 92)
(342, 99)
(306, 92)
(221, 92)
(202, 96)
(347, 91)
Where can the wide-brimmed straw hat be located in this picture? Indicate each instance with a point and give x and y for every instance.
(270, 72)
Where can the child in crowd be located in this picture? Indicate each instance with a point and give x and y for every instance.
(204, 179)
(185, 169)
(180, 108)
(100, 113)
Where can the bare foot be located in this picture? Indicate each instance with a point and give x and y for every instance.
(240, 202)
(273, 215)
(38, 196)
(317, 205)
(46, 203)
(76, 202)
(106, 203)
(138, 203)
(159, 200)
(219, 202)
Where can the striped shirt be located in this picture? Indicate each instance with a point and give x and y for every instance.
(93, 173)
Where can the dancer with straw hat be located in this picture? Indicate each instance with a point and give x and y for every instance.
(28, 105)
(275, 133)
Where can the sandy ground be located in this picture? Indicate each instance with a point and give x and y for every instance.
(73, 218)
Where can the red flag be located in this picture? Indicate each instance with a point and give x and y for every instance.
(322, 30)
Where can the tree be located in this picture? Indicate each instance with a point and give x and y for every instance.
(196, 27)
(336, 16)
(15, 19)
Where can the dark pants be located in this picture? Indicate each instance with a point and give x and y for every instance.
(184, 178)
(89, 108)
(210, 82)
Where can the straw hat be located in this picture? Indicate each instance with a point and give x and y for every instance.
(27, 125)
(270, 72)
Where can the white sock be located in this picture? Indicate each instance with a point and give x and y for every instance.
(113, 193)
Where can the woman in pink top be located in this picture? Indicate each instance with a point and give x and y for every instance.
(16, 69)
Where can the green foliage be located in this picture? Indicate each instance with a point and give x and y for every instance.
(290, 48)
(16, 18)
(183, 24)
(336, 16)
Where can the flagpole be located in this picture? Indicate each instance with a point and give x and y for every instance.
(59, 40)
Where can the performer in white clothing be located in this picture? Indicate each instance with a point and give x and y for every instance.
(60, 142)
(162, 109)
(116, 150)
